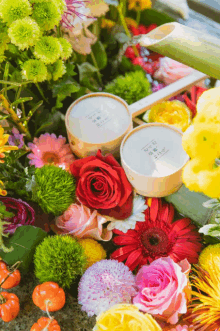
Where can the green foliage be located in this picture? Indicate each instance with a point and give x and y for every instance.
(59, 259)
(23, 244)
(54, 189)
(4, 214)
(131, 87)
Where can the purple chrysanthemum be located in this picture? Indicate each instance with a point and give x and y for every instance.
(104, 284)
(16, 139)
(74, 9)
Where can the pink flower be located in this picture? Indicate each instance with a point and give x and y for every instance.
(163, 289)
(48, 149)
(81, 222)
(170, 71)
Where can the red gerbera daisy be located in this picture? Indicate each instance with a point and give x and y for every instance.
(157, 237)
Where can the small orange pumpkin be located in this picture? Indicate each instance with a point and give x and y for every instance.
(13, 280)
(9, 306)
(46, 324)
(49, 296)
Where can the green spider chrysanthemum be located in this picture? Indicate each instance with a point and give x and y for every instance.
(24, 32)
(48, 49)
(47, 14)
(34, 70)
(56, 70)
(12, 10)
(66, 48)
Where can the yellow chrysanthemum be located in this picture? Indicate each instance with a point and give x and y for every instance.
(190, 175)
(206, 312)
(209, 258)
(130, 21)
(93, 250)
(139, 4)
(208, 181)
(208, 98)
(125, 317)
(107, 24)
(203, 141)
(3, 147)
(175, 113)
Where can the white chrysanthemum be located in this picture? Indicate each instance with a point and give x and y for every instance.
(105, 284)
(137, 215)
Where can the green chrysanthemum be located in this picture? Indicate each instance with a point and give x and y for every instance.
(12, 10)
(56, 70)
(66, 48)
(47, 14)
(34, 70)
(61, 4)
(48, 49)
(24, 32)
(60, 259)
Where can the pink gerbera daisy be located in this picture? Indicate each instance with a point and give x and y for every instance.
(158, 236)
(48, 149)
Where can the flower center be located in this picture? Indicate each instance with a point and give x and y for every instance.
(50, 157)
(155, 240)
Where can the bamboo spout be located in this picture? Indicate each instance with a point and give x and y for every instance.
(186, 45)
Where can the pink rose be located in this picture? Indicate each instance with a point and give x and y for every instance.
(170, 71)
(163, 289)
(81, 222)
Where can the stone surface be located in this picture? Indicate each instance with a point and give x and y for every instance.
(70, 317)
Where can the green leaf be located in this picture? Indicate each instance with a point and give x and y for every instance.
(112, 2)
(65, 89)
(86, 70)
(53, 122)
(21, 100)
(24, 241)
(212, 230)
(100, 55)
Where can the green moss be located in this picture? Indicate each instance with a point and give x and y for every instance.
(131, 87)
(54, 189)
(59, 259)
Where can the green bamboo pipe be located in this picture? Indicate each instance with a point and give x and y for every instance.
(186, 45)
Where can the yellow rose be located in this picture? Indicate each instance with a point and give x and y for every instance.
(125, 317)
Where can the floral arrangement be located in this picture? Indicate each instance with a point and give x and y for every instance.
(136, 263)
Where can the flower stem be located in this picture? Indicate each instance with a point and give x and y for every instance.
(41, 92)
(96, 65)
(126, 28)
(14, 117)
(138, 17)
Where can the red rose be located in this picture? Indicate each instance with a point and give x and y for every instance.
(103, 185)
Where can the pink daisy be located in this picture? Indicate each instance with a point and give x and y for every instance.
(48, 149)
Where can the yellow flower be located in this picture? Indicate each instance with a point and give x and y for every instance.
(93, 250)
(139, 4)
(190, 175)
(171, 112)
(125, 317)
(3, 141)
(208, 181)
(2, 191)
(107, 24)
(203, 141)
(130, 21)
(209, 259)
(208, 107)
(206, 312)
